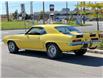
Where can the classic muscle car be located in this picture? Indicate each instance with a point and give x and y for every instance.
(53, 39)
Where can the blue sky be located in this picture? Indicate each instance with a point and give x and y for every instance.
(37, 6)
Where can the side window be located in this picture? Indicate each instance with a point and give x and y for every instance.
(42, 31)
(62, 29)
(36, 31)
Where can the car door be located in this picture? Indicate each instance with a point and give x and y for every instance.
(33, 38)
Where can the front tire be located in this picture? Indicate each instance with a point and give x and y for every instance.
(80, 52)
(12, 47)
(53, 51)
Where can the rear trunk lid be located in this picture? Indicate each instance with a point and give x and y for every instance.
(84, 38)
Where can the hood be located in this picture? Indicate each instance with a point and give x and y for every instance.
(8, 37)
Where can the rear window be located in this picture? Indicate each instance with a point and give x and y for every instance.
(67, 29)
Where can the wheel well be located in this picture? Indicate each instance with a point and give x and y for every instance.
(10, 41)
(13, 42)
(50, 43)
(53, 43)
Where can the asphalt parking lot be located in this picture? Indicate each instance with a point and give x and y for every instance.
(36, 64)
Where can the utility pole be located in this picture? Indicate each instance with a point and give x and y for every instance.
(97, 20)
(43, 13)
(84, 15)
(67, 10)
(7, 10)
(31, 12)
(31, 7)
(97, 17)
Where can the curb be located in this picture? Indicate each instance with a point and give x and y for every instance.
(95, 51)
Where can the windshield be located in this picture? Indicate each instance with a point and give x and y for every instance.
(67, 29)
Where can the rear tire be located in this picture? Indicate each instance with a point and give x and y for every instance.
(53, 51)
(12, 47)
(80, 52)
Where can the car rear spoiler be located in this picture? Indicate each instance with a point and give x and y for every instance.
(99, 33)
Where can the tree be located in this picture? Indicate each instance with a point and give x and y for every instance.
(92, 7)
(41, 15)
(95, 9)
(15, 15)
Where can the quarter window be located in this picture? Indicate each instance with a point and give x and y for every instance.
(67, 29)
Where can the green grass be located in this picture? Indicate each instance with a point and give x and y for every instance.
(5, 25)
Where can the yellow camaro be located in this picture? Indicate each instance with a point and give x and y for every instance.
(53, 39)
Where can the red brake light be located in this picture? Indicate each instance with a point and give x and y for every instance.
(76, 40)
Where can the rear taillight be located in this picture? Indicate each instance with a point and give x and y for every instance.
(94, 38)
(76, 40)
(92, 35)
(79, 36)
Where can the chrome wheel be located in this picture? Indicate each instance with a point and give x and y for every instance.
(52, 51)
(12, 47)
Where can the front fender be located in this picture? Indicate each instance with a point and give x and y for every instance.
(11, 38)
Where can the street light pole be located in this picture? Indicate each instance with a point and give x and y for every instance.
(84, 10)
(31, 12)
(67, 10)
(31, 7)
(43, 13)
(7, 10)
(97, 20)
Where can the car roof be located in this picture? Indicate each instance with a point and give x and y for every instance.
(53, 25)
(50, 27)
